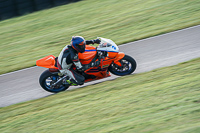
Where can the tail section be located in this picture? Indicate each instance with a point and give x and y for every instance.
(48, 62)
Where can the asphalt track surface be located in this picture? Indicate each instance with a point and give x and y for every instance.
(151, 53)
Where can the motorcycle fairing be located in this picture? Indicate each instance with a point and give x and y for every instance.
(99, 73)
(119, 57)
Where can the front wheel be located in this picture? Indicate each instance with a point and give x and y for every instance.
(128, 66)
(47, 79)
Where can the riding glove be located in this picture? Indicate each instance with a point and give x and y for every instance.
(98, 41)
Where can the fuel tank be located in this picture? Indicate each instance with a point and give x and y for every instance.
(88, 55)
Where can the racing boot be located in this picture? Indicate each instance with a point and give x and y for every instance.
(70, 81)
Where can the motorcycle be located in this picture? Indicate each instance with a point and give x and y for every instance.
(106, 53)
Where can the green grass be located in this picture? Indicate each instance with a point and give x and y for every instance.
(164, 100)
(25, 39)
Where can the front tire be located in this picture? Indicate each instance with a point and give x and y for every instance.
(47, 79)
(128, 66)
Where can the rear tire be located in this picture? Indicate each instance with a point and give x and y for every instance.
(47, 78)
(128, 66)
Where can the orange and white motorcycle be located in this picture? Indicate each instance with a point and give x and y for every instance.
(107, 52)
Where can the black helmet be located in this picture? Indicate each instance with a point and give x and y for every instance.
(78, 43)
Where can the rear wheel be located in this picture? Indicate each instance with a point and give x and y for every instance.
(47, 79)
(128, 66)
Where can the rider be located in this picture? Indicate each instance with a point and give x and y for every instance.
(69, 56)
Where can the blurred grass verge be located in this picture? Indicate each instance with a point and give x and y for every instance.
(163, 100)
(25, 39)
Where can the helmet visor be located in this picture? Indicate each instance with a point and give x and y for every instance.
(81, 47)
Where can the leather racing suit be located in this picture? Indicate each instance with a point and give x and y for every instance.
(67, 57)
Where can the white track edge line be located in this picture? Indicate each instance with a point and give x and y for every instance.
(118, 46)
